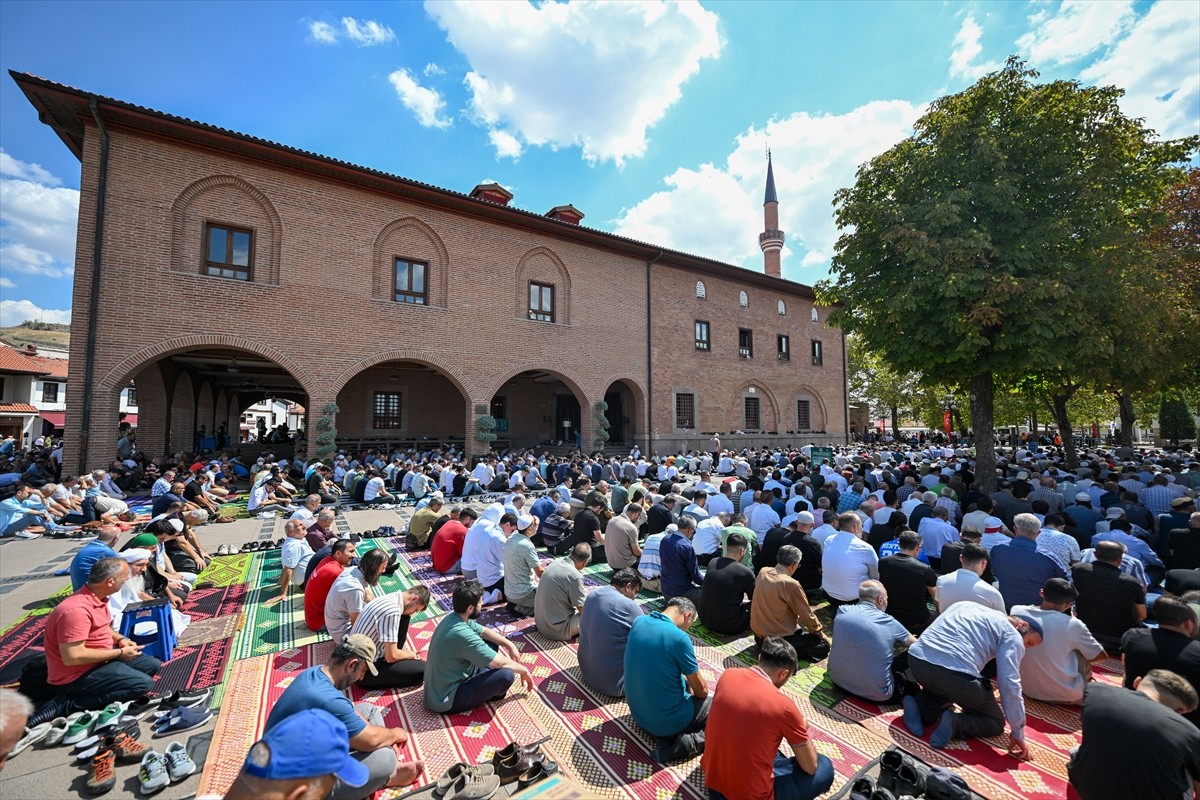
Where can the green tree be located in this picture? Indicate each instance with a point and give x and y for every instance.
(976, 247)
(875, 384)
(1175, 421)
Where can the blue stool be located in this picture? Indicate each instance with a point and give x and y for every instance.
(160, 644)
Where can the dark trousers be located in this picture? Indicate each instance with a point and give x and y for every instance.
(688, 742)
(703, 559)
(397, 675)
(808, 646)
(738, 625)
(113, 682)
(941, 688)
(835, 604)
(490, 684)
(693, 594)
(793, 783)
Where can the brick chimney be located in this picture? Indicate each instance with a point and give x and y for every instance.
(567, 213)
(492, 193)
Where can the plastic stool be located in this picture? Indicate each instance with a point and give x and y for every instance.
(160, 644)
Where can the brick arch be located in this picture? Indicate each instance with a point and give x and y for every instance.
(204, 407)
(452, 373)
(806, 390)
(127, 367)
(266, 249)
(540, 366)
(530, 268)
(638, 413)
(762, 391)
(438, 257)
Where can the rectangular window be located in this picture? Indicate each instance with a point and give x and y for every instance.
(410, 282)
(804, 415)
(702, 340)
(753, 419)
(785, 348)
(541, 302)
(49, 392)
(387, 410)
(745, 343)
(816, 352)
(685, 410)
(229, 252)
(131, 396)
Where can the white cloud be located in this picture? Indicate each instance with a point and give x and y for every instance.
(1158, 65)
(14, 168)
(323, 32)
(1076, 30)
(433, 69)
(593, 74)
(967, 47)
(14, 312)
(37, 222)
(367, 33)
(717, 211)
(507, 145)
(5, 283)
(427, 104)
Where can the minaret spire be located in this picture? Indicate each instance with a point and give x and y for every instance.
(771, 239)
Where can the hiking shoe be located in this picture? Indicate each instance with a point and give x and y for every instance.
(125, 747)
(472, 784)
(102, 778)
(110, 716)
(32, 736)
(153, 776)
(80, 728)
(179, 763)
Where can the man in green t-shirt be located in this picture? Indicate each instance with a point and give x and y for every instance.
(739, 526)
(468, 664)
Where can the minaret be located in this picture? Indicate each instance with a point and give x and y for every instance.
(771, 239)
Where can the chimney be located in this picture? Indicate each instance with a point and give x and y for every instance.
(492, 193)
(567, 213)
(31, 349)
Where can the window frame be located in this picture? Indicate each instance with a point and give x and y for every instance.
(703, 344)
(783, 347)
(537, 315)
(746, 350)
(396, 419)
(47, 385)
(818, 353)
(213, 269)
(131, 397)
(808, 411)
(747, 400)
(400, 295)
(679, 420)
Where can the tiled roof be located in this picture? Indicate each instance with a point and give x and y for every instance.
(55, 367)
(17, 408)
(12, 361)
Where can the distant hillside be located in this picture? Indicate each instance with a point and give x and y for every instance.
(39, 334)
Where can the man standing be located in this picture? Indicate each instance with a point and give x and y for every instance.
(559, 600)
(1058, 671)
(728, 589)
(621, 538)
(909, 583)
(667, 696)
(948, 661)
(750, 717)
(1020, 567)
(863, 659)
(385, 621)
(780, 608)
(608, 614)
(680, 570)
(847, 561)
(1109, 601)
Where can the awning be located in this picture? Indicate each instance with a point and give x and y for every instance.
(131, 419)
(56, 418)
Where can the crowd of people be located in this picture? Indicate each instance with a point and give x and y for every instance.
(934, 589)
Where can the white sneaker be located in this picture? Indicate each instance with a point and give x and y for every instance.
(179, 763)
(153, 775)
(27, 535)
(494, 596)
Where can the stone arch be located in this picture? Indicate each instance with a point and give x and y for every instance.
(409, 237)
(120, 374)
(820, 414)
(543, 264)
(452, 373)
(768, 405)
(187, 238)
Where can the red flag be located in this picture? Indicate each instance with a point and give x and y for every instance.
(946, 421)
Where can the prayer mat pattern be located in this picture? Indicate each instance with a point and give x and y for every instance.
(268, 622)
(242, 714)
(217, 601)
(227, 570)
(209, 630)
(195, 667)
(22, 642)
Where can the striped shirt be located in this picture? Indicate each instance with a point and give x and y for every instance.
(650, 565)
(1157, 499)
(381, 620)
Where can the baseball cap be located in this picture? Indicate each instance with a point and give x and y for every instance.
(361, 646)
(307, 744)
(1083, 497)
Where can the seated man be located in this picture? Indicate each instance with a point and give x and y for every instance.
(558, 531)
(421, 523)
(371, 742)
(271, 773)
(1171, 646)
(465, 667)
(863, 659)
(649, 566)
(307, 513)
(559, 599)
(87, 660)
(351, 590)
(587, 528)
(967, 583)
(952, 554)
(1110, 602)
(294, 556)
(780, 608)
(909, 583)
(1021, 567)
(322, 530)
(608, 614)
(385, 621)
(667, 696)
(948, 661)
(316, 590)
(1058, 671)
(621, 537)
(1137, 744)
(680, 570)
(749, 720)
(446, 550)
(728, 590)
(846, 561)
(16, 518)
(90, 553)
(522, 567)
(264, 498)
(374, 489)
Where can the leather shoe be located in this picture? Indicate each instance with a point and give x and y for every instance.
(540, 770)
(515, 766)
(512, 748)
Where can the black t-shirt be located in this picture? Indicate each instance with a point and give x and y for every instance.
(808, 574)
(315, 482)
(1133, 746)
(586, 526)
(951, 561)
(192, 491)
(770, 547)
(1106, 600)
(658, 517)
(460, 483)
(1158, 648)
(163, 502)
(1180, 581)
(907, 581)
(881, 535)
(726, 584)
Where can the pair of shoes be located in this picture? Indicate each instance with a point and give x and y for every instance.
(902, 774)
(32, 736)
(182, 718)
(159, 770)
(27, 534)
(467, 782)
(125, 747)
(523, 766)
(189, 698)
(109, 717)
(513, 749)
(79, 727)
(103, 776)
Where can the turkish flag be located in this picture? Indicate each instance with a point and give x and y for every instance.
(946, 421)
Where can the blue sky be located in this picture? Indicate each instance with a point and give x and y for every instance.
(650, 118)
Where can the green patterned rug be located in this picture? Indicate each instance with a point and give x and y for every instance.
(227, 570)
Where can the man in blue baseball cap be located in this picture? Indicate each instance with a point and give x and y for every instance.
(301, 758)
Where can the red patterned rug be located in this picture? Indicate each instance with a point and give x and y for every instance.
(196, 667)
(21, 643)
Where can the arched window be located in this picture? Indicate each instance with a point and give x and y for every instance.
(782, 309)
(815, 316)
(743, 300)
(700, 293)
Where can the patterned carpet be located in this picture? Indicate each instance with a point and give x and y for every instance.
(229, 570)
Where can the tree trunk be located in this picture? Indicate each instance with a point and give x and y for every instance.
(1128, 417)
(983, 407)
(1059, 403)
(896, 422)
(1033, 424)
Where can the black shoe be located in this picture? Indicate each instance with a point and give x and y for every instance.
(59, 706)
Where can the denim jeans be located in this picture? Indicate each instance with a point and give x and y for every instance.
(793, 783)
(113, 682)
(489, 684)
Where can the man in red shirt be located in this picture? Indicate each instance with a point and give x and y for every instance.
(447, 546)
(748, 719)
(317, 589)
(86, 659)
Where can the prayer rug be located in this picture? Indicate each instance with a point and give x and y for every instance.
(270, 623)
(209, 630)
(195, 667)
(227, 570)
(241, 717)
(216, 601)
(20, 643)
(235, 510)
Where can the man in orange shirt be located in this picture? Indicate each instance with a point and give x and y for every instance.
(748, 719)
(316, 591)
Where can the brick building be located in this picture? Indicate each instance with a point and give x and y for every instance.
(214, 269)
